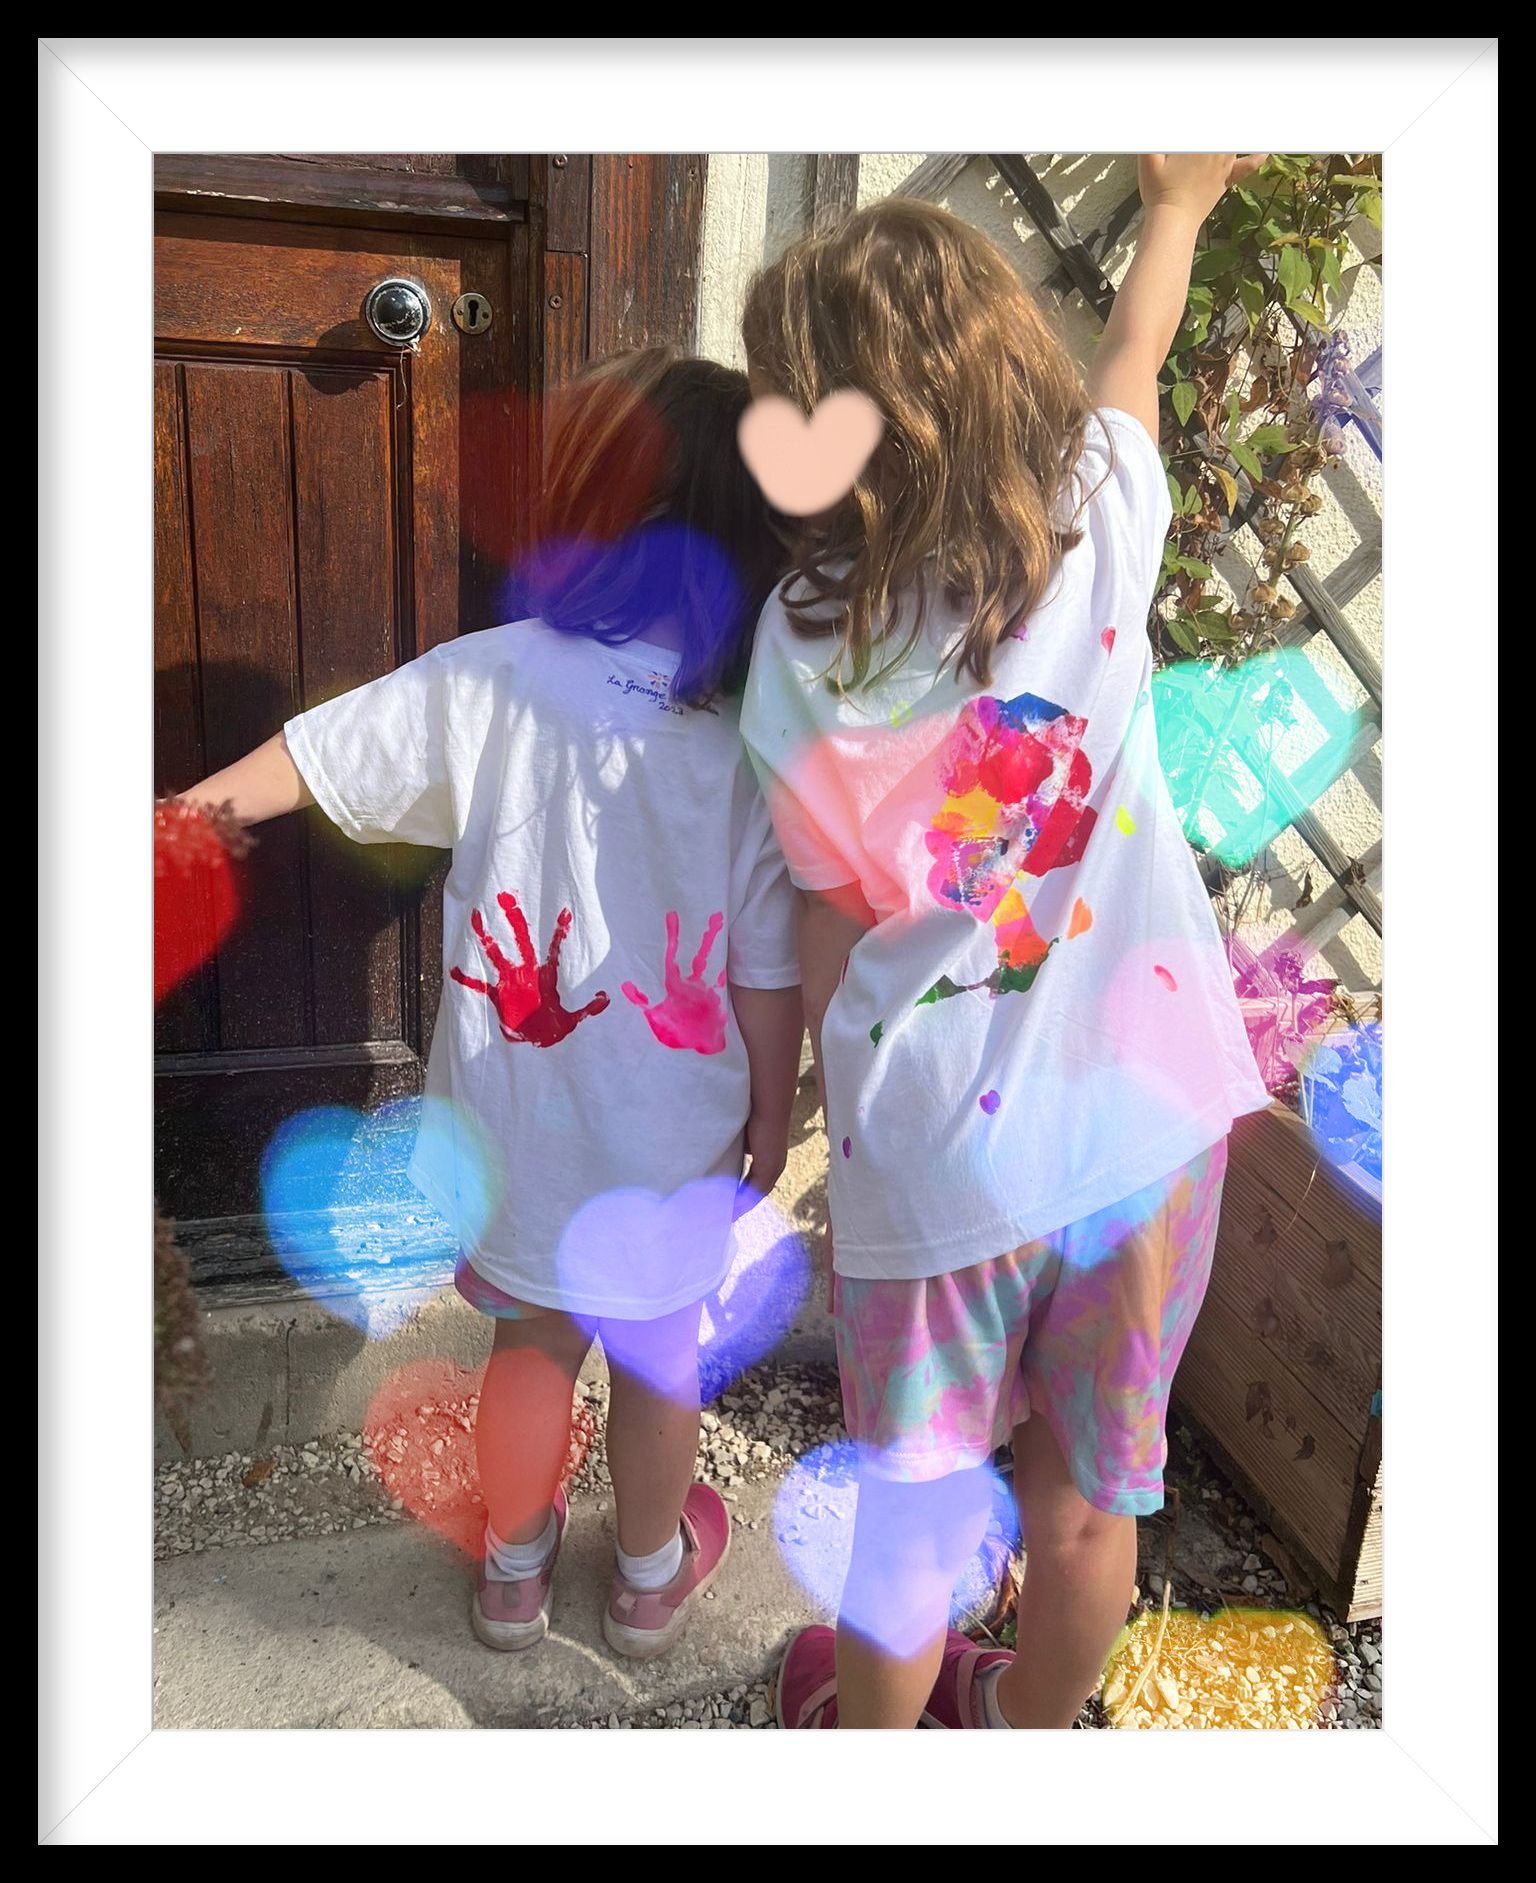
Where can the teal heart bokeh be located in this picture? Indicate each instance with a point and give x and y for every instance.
(1246, 749)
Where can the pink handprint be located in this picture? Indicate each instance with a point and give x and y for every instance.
(691, 1015)
(526, 995)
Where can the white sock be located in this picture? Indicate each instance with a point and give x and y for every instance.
(986, 1691)
(517, 1562)
(654, 1571)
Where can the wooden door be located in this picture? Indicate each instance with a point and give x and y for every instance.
(326, 506)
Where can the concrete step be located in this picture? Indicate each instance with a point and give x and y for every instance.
(371, 1629)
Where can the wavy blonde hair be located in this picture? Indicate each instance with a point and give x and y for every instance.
(984, 421)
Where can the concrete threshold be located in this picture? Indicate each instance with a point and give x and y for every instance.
(371, 1629)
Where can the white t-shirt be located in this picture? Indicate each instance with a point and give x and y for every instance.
(597, 829)
(1042, 1021)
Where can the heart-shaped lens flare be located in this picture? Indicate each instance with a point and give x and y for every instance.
(195, 897)
(955, 1533)
(639, 1248)
(1341, 1099)
(420, 1434)
(1250, 1668)
(1244, 749)
(347, 1219)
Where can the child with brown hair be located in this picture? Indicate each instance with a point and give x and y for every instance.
(1030, 1049)
(584, 767)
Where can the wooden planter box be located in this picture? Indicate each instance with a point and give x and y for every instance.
(1282, 1374)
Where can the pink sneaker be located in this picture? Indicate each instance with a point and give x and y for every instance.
(516, 1614)
(641, 1623)
(805, 1693)
(954, 1700)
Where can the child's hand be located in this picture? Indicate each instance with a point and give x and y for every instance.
(1192, 180)
(768, 1151)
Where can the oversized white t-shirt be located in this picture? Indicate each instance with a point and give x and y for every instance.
(1042, 1021)
(613, 863)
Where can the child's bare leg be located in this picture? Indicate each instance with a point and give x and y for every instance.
(1080, 1568)
(653, 1424)
(910, 1543)
(523, 1431)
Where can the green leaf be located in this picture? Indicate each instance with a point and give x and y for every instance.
(1170, 555)
(1200, 298)
(1370, 208)
(1247, 461)
(1305, 311)
(1192, 501)
(1201, 571)
(1215, 261)
(1253, 296)
(1175, 492)
(1214, 625)
(1184, 396)
(1269, 441)
(1332, 274)
(1294, 275)
(1182, 629)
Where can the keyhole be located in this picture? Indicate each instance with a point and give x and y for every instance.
(472, 313)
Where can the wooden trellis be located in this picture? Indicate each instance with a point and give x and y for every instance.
(1079, 258)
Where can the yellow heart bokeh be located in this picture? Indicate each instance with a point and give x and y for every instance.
(1174, 1669)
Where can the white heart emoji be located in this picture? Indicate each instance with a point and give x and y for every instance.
(806, 465)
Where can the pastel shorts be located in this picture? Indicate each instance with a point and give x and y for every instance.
(1085, 1327)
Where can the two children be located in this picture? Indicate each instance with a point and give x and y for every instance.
(1028, 1042)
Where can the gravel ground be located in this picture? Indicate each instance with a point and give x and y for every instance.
(1206, 1541)
(751, 1433)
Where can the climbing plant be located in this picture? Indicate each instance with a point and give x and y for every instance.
(1251, 393)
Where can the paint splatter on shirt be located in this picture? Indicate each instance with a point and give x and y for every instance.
(1017, 848)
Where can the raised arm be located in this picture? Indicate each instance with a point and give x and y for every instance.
(265, 783)
(1178, 192)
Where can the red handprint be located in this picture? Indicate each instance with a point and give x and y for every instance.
(691, 1015)
(527, 993)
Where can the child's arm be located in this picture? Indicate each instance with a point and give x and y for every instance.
(1178, 192)
(265, 783)
(829, 926)
(772, 1027)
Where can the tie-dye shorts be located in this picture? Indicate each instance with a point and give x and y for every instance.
(1084, 1327)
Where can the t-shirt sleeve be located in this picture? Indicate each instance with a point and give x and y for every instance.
(763, 950)
(376, 758)
(781, 742)
(1126, 488)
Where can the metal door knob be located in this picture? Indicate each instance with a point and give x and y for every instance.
(398, 311)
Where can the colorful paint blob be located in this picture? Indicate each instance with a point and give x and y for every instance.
(1124, 822)
(847, 1147)
(1016, 781)
(1107, 640)
(1167, 979)
(1082, 920)
(989, 1102)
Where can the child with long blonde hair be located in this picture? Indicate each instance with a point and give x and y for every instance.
(1030, 1049)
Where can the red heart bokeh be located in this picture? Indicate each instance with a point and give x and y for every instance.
(195, 898)
(420, 1432)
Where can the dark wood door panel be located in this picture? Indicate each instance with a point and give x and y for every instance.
(326, 507)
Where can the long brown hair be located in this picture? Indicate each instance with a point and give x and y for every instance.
(984, 421)
(647, 510)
